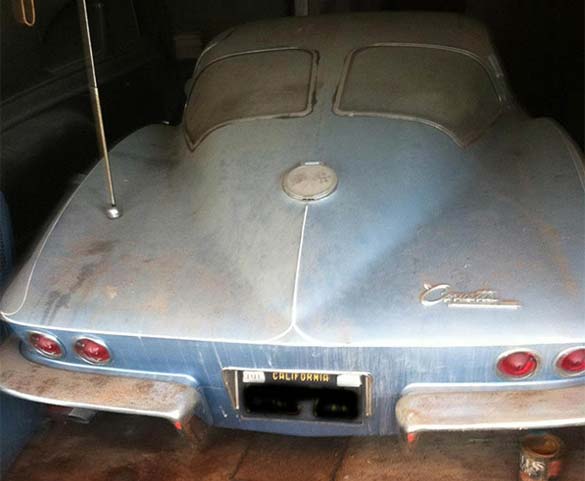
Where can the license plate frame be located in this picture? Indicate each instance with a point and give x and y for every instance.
(237, 380)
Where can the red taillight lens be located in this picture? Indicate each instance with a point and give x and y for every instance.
(92, 351)
(518, 364)
(46, 345)
(572, 362)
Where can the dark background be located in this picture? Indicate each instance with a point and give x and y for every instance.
(48, 140)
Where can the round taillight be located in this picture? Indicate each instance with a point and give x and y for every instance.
(46, 345)
(517, 364)
(92, 351)
(572, 361)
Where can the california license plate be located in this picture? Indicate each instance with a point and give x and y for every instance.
(302, 395)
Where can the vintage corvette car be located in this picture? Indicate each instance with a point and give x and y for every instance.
(355, 231)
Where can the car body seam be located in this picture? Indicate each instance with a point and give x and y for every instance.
(295, 294)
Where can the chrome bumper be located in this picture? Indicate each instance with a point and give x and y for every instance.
(491, 410)
(22, 378)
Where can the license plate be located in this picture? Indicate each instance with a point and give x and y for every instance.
(302, 395)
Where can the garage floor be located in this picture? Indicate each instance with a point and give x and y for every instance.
(124, 448)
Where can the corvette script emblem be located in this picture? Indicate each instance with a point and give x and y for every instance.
(481, 298)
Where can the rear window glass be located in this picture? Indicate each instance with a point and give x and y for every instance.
(247, 86)
(447, 89)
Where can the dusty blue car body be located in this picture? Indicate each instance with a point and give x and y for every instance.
(213, 269)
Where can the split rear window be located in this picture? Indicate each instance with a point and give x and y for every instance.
(443, 87)
(446, 88)
(251, 85)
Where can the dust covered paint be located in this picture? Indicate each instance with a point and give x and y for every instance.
(213, 266)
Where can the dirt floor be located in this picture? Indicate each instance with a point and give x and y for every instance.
(126, 448)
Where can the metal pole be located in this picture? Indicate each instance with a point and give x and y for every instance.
(113, 212)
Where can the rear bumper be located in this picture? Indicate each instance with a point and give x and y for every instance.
(415, 411)
(22, 378)
(491, 410)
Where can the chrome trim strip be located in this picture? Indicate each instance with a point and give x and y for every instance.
(369, 400)
(24, 379)
(237, 391)
(229, 377)
(443, 387)
(491, 410)
(462, 142)
(192, 145)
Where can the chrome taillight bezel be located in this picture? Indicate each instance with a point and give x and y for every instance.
(102, 343)
(560, 356)
(49, 336)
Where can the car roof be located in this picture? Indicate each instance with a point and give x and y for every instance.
(370, 64)
(342, 33)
